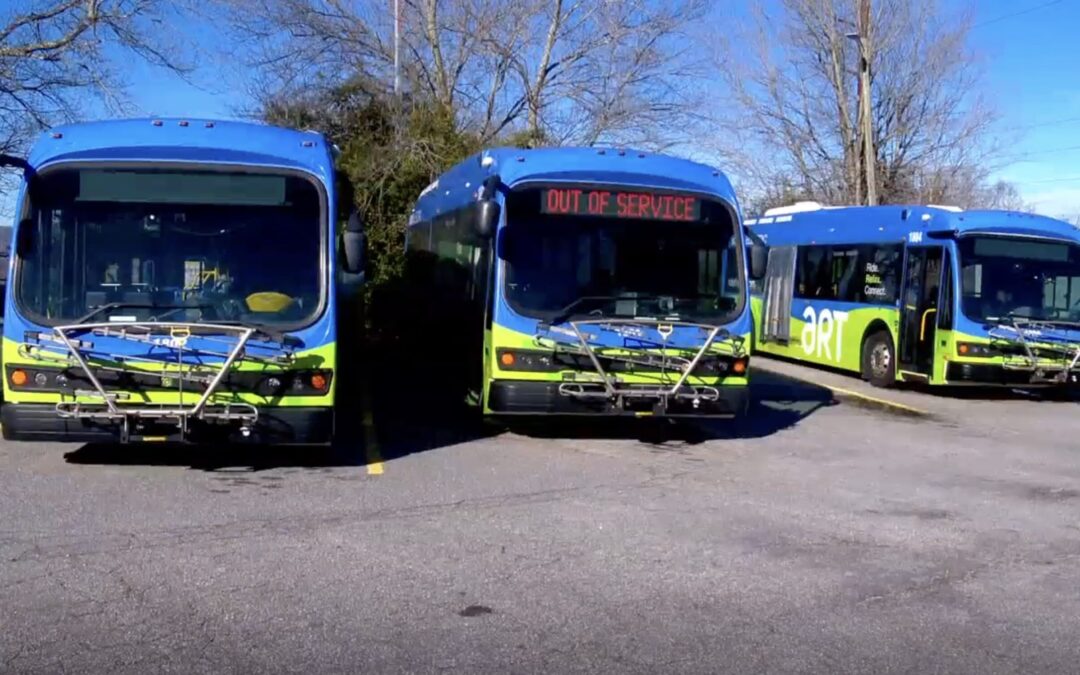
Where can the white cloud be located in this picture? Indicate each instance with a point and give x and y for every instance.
(1061, 202)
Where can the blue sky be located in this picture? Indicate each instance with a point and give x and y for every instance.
(1032, 75)
(1030, 50)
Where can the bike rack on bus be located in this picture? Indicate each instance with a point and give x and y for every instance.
(178, 362)
(1018, 331)
(652, 354)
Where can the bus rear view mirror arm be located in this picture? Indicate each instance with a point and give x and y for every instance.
(13, 161)
(487, 217)
(353, 245)
(25, 239)
(487, 208)
(759, 257)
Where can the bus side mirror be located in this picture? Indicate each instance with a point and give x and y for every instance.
(353, 245)
(25, 239)
(759, 260)
(487, 209)
(487, 217)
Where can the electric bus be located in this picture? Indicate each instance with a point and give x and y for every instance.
(582, 281)
(924, 294)
(176, 280)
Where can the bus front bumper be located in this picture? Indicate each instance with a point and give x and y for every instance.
(998, 375)
(519, 397)
(275, 425)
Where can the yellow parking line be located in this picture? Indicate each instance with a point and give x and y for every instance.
(371, 439)
(873, 399)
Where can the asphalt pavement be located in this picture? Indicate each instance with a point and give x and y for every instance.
(839, 529)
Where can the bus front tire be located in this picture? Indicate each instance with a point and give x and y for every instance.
(879, 360)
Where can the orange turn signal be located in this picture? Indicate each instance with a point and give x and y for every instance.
(739, 367)
(507, 358)
(318, 381)
(19, 378)
(963, 349)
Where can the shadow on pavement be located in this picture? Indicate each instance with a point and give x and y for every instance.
(405, 428)
(218, 457)
(964, 393)
(776, 403)
(395, 419)
(404, 425)
(1055, 394)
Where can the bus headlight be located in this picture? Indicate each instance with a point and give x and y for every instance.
(300, 383)
(528, 360)
(973, 349)
(721, 366)
(39, 379)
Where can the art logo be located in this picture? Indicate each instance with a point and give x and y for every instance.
(823, 333)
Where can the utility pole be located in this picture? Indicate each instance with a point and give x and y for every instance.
(397, 41)
(866, 124)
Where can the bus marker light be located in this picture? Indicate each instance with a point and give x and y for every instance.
(739, 368)
(19, 378)
(318, 381)
(507, 359)
(973, 349)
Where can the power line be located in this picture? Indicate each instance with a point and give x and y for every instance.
(1051, 151)
(1036, 125)
(1018, 13)
(1070, 179)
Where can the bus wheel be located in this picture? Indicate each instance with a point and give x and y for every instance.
(879, 360)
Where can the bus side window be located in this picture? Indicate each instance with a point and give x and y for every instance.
(878, 266)
(846, 278)
(1061, 292)
(971, 289)
(812, 271)
(418, 237)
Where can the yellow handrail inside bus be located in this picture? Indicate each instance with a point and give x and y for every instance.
(922, 328)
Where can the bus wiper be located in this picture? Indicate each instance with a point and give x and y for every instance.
(265, 331)
(109, 306)
(1062, 323)
(566, 312)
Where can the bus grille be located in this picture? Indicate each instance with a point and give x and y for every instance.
(192, 359)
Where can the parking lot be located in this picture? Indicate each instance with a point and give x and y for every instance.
(829, 533)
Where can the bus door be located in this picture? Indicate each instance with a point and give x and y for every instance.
(778, 292)
(918, 309)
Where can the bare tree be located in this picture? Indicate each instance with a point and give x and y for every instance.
(793, 87)
(607, 71)
(557, 71)
(53, 56)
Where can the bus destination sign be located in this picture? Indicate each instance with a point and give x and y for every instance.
(618, 204)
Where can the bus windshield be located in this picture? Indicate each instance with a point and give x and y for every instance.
(120, 244)
(1006, 278)
(561, 266)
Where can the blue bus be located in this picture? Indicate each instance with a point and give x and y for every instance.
(177, 280)
(583, 281)
(924, 294)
